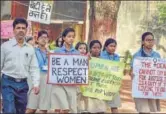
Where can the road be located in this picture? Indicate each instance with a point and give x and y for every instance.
(126, 99)
(128, 105)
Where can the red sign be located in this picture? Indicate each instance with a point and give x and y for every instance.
(7, 29)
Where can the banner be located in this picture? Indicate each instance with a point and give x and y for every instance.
(149, 78)
(7, 29)
(40, 11)
(105, 79)
(68, 69)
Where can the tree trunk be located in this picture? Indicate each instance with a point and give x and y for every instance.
(103, 19)
(91, 18)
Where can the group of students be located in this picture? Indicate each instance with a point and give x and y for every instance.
(65, 99)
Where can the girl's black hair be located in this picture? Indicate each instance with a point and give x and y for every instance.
(57, 40)
(146, 34)
(109, 41)
(65, 32)
(81, 43)
(143, 38)
(41, 32)
(93, 42)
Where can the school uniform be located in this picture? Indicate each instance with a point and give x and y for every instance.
(33, 99)
(144, 104)
(82, 101)
(94, 105)
(41, 101)
(116, 102)
(64, 97)
(80, 104)
(17, 64)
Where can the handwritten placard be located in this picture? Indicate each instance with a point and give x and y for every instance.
(149, 78)
(105, 79)
(40, 11)
(68, 69)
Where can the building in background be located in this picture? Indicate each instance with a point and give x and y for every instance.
(64, 14)
(90, 19)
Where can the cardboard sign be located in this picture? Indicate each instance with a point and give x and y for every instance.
(68, 69)
(149, 78)
(40, 11)
(105, 79)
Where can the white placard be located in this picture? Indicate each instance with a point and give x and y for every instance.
(149, 78)
(40, 11)
(68, 69)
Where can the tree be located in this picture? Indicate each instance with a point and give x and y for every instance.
(103, 19)
(157, 24)
(162, 12)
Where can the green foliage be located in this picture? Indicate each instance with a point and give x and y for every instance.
(127, 60)
(162, 12)
(156, 25)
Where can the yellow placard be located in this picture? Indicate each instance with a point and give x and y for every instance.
(105, 79)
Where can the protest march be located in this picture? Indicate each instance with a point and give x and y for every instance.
(66, 57)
